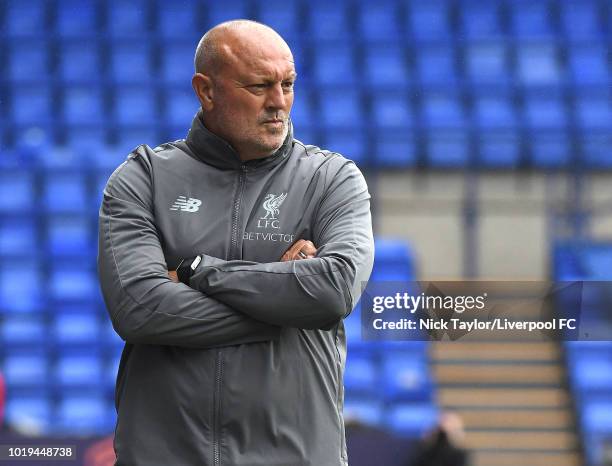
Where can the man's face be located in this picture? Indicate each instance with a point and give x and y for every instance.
(253, 95)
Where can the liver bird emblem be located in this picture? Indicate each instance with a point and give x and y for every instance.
(272, 204)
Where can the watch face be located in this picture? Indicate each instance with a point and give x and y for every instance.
(196, 262)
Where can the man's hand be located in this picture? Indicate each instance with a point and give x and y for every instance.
(301, 249)
(173, 276)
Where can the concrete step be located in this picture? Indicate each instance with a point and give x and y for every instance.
(555, 419)
(508, 374)
(485, 458)
(457, 351)
(503, 397)
(528, 440)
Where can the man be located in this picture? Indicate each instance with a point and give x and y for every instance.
(241, 362)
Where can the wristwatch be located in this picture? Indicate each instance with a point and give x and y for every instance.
(187, 267)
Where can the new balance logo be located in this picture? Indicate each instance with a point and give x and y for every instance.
(186, 205)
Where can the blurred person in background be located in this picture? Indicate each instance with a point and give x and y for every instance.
(444, 446)
(235, 355)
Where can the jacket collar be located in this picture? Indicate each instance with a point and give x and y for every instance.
(213, 150)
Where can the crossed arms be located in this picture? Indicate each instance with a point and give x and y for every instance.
(229, 302)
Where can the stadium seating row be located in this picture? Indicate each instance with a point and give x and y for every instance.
(326, 64)
(414, 19)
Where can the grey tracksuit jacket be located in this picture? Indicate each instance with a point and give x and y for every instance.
(244, 366)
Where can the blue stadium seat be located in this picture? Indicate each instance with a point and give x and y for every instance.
(32, 105)
(128, 138)
(334, 64)
(281, 15)
(429, 20)
(329, 20)
(79, 62)
(395, 257)
(412, 419)
(361, 374)
(78, 371)
(73, 282)
(487, 63)
(589, 64)
(591, 374)
(180, 107)
(370, 17)
(177, 63)
(405, 376)
(127, 18)
(596, 149)
(85, 415)
(60, 159)
(349, 142)
(597, 418)
(531, 17)
(447, 149)
(385, 65)
(83, 106)
(480, 19)
(435, 65)
(17, 193)
(597, 262)
(341, 109)
(178, 19)
(443, 110)
(580, 19)
(217, 12)
(23, 371)
(107, 159)
(499, 149)
(26, 331)
(76, 18)
(594, 111)
(363, 410)
(18, 237)
(538, 64)
(394, 150)
(545, 112)
(550, 149)
(76, 329)
(17, 294)
(80, 138)
(30, 412)
(65, 192)
(26, 17)
(28, 60)
(391, 110)
(70, 236)
(135, 106)
(494, 111)
(130, 62)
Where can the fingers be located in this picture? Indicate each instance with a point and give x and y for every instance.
(173, 276)
(301, 249)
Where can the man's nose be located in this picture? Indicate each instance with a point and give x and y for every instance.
(276, 98)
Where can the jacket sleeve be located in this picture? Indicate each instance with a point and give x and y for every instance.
(145, 306)
(309, 293)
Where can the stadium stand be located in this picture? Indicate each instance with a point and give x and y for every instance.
(444, 85)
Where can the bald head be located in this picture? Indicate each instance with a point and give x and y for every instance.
(232, 41)
(244, 81)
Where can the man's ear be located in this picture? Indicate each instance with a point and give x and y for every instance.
(203, 87)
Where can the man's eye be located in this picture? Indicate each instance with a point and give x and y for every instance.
(288, 84)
